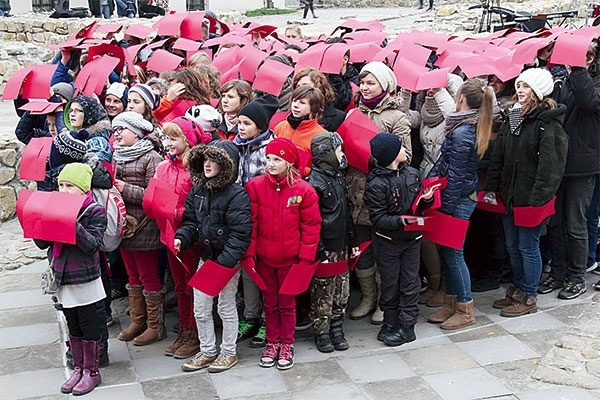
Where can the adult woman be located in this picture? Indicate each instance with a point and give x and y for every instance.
(235, 94)
(188, 88)
(526, 169)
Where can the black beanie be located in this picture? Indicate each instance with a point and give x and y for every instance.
(260, 111)
(385, 147)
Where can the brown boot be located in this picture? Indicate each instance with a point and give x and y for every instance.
(438, 299)
(156, 319)
(507, 300)
(462, 317)
(190, 347)
(433, 285)
(182, 336)
(522, 304)
(137, 306)
(447, 310)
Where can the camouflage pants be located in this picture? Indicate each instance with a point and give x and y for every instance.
(329, 296)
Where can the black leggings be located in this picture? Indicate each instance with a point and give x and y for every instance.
(82, 322)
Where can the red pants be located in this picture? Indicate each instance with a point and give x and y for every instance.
(181, 276)
(280, 309)
(142, 268)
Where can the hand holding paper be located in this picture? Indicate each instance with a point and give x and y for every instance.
(177, 245)
(490, 197)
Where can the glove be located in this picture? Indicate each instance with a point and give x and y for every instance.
(490, 197)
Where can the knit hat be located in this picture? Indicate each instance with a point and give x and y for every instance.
(78, 174)
(384, 75)
(260, 111)
(150, 97)
(540, 81)
(134, 122)
(284, 148)
(63, 89)
(192, 131)
(93, 111)
(323, 147)
(207, 116)
(118, 90)
(68, 147)
(385, 147)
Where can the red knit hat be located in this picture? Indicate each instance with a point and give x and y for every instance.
(192, 131)
(286, 149)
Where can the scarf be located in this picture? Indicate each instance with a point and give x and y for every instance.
(374, 102)
(459, 118)
(125, 154)
(57, 247)
(295, 122)
(515, 119)
(431, 115)
(231, 120)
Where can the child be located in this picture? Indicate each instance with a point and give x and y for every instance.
(330, 294)
(281, 202)
(235, 95)
(77, 271)
(217, 215)
(182, 134)
(391, 189)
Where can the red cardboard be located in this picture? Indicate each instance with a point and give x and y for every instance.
(439, 183)
(366, 52)
(130, 53)
(442, 229)
(109, 28)
(139, 31)
(530, 217)
(14, 83)
(86, 32)
(35, 158)
(161, 60)
(249, 266)
(498, 208)
(67, 44)
(331, 268)
(94, 75)
(570, 49)
(186, 44)
(311, 57)
(110, 50)
(191, 26)
(356, 131)
(211, 278)
(333, 57)
(271, 76)
(354, 260)
(277, 118)
(252, 59)
(159, 200)
(298, 279)
(37, 83)
(40, 107)
(407, 73)
(170, 24)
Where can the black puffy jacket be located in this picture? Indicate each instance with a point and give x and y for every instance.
(332, 118)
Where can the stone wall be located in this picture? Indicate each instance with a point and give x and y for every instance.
(10, 185)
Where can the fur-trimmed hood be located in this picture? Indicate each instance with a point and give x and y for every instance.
(224, 153)
(101, 128)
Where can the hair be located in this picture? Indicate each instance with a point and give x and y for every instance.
(197, 87)
(294, 28)
(242, 88)
(159, 85)
(294, 47)
(166, 75)
(480, 96)
(173, 130)
(532, 103)
(315, 99)
(199, 58)
(292, 175)
(592, 49)
(213, 75)
(318, 79)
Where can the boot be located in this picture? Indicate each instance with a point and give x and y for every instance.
(324, 343)
(156, 319)
(182, 336)
(368, 289)
(190, 347)
(390, 323)
(447, 310)
(336, 331)
(91, 376)
(137, 311)
(377, 316)
(437, 300)
(76, 350)
(522, 304)
(400, 335)
(462, 317)
(433, 285)
(507, 300)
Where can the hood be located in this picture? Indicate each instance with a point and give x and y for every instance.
(545, 115)
(101, 128)
(225, 153)
(93, 111)
(323, 148)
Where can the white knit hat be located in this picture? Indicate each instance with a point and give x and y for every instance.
(384, 75)
(540, 81)
(207, 116)
(134, 122)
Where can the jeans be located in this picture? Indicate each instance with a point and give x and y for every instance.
(105, 10)
(592, 223)
(252, 297)
(142, 268)
(523, 247)
(458, 280)
(181, 276)
(280, 309)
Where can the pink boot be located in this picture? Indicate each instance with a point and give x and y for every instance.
(91, 376)
(76, 347)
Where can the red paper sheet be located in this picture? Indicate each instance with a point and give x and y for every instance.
(570, 49)
(87, 32)
(191, 26)
(533, 216)
(159, 200)
(298, 279)
(499, 208)
(331, 268)
(441, 183)
(250, 267)
(332, 60)
(356, 131)
(94, 75)
(37, 83)
(186, 44)
(211, 278)
(442, 229)
(110, 50)
(139, 31)
(311, 57)
(252, 59)
(361, 249)
(14, 83)
(271, 76)
(170, 24)
(366, 52)
(407, 73)
(34, 159)
(161, 60)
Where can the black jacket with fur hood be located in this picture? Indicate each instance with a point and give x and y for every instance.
(217, 210)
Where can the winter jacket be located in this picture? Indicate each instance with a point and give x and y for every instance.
(136, 175)
(342, 88)
(225, 134)
(96, 123)
(174, 173)
(285, 221)
(459, 162)
(79, 263)
(301, 136)
(217, 210)
(332, 118)
(253, 160)
(167, 111)
(390, 194)
(581, 94)
(526, 169)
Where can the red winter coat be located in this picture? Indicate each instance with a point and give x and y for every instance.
(286, 221)
(174, 173)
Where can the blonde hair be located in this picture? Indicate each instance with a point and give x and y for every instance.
(173, 131)
(480, 96)
(199, 58)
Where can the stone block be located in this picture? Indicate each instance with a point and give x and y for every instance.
(3, 26)
(11, 26)
(21, 37)
(39, 37)
(49, 26)
(8, 157)
(9, 36)
(6, 175)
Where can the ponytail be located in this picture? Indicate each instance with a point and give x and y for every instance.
(484, 126)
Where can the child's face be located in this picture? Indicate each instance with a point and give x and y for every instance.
(76, 115)
(524, 92)
(230, 102)
(211, 168)
(276, 166)
(51, 121)
(68, 187)
(113, 105)
(370, 87)
(247, 128)
(176, 146)
(300, 108)
(401, 157)
(124, 137)
(135, 103)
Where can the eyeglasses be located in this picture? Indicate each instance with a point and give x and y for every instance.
(118, 129)
(75, 111)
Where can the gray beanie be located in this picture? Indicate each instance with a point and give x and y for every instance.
(134, 122)
(540, 81)
(63, 89)
(384, 75)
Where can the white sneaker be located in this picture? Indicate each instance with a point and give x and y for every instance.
(594, 268)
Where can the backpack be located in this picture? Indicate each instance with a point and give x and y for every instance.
(113, 202)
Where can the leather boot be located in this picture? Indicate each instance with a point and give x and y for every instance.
(91, 376)
(377, 316)
(182, 336)
(336, 331)
(390, 323)
(507, 300)
(438, 298)
(433, 285)
(463, 317)
(324, 343)
(76, 349)
(368, 289)
(156, 319)
(522, 304)
(447, 310)
(137, 311)
(190, 347)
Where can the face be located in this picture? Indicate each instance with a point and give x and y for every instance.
(300, 108)
(401, 157)
(276, 166)
(496, 84)
(370, 87)
(211, 168)
(176, 146)
(230, 102)
(135, 103)
(51, 122)
(113, 105)
(76, 115)
(524, 92)
(305, 81)
(124, 137)
(292, 33)
(247, 128)
(68, 187)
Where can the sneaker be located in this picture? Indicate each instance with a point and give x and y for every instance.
(270, 355)
(109, 320)
(596, 285)
(549, 285)
(260, 340)
(199, 362)
(546, 268)
(572, 290)
(286, 357)
(591, 268)
(223, 363)
(595, 270)
(247, 329)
